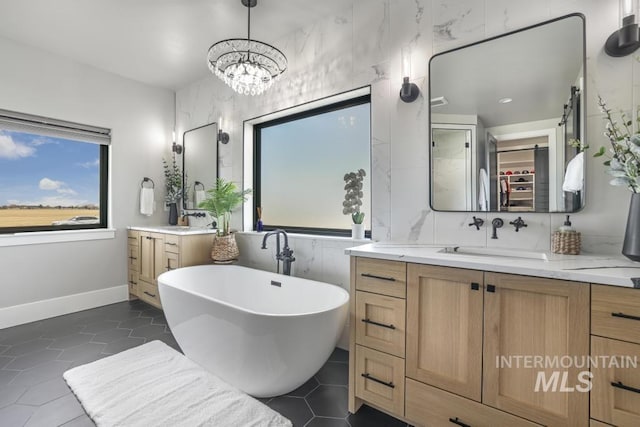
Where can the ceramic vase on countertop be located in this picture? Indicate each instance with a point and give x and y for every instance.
(173, 213)
(631, 245)
(357, 231)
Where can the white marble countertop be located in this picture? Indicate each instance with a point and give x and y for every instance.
(180, 230)
(591, 268)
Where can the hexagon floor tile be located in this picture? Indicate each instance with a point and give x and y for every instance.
(34, 356)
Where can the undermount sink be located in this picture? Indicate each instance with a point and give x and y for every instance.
(494, 252)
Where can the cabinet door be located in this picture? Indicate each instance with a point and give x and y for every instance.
(444, 328)
(151, 256)
(615, 397)
(534, 327)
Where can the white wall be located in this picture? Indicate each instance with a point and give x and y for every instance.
(360, 45)
(141, 119)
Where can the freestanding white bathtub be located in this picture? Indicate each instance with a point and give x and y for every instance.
(262, 332)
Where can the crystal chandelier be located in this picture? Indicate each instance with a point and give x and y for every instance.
(248, 66)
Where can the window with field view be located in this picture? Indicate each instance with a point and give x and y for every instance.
(52, 177)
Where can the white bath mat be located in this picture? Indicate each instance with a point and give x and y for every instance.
(154, 385)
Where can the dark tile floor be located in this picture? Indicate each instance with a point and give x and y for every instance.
(34, 356)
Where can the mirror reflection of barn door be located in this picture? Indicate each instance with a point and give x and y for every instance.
(492, 144)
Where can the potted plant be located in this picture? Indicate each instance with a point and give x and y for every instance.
(624, 166)
(173, 188)
(353, 201)
(221, 200)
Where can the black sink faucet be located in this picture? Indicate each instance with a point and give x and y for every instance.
(478, 222)
(518, 223)
(286, 255)
(496, 223)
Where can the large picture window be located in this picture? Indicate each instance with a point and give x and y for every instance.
(53, 174)
(300, 161)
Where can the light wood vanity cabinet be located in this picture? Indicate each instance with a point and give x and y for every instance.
(377, 347)
(444, 328)
(538, 317)
(458, 323)
(615, 342)
(133, 248)
(153, 253)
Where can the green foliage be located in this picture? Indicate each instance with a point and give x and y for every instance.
(624, 154)
(221, 201)
(353, 195)
(172, 181)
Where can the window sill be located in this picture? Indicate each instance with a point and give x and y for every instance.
(43, 237)
(312, 237)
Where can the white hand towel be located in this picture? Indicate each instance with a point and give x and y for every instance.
(147, 203)
(483, 190)
(574, 177)
(199, 196)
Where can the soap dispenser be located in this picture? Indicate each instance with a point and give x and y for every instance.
(566, 240)
(566, 226)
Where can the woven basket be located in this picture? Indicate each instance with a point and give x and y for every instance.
(566, 242)
(225, 249)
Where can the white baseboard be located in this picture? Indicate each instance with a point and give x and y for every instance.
(38, 310)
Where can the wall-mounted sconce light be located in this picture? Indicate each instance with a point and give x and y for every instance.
(625, 40)
(223, 137)
(176, 148)
(409, 91)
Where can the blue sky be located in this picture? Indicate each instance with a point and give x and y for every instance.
(36, 169)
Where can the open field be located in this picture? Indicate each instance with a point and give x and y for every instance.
(43, 216)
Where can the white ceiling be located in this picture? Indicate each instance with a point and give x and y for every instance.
(160, 42)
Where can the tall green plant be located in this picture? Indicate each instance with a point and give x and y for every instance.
(221, 201)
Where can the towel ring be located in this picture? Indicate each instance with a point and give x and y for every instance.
(145, 179)
(195, 184)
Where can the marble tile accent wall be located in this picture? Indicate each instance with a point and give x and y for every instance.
(360, 45)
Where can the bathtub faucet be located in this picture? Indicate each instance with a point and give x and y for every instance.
(286, 255)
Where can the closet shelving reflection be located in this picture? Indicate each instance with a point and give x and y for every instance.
(516, 189)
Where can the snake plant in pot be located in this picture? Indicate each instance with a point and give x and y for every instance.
(221, 200)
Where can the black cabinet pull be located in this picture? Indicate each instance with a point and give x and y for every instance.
(625, 316)
(369, 377)
(491, 288)
(151, 295)
(458, 422)
(132, 257)
(371, 322)
(373, 276)
(625, 387)
(475, 286)
(133, 283)
(170, 244)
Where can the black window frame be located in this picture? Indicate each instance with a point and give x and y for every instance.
(257, 149)
(103, 172)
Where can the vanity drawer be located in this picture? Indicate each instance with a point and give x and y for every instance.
(132, 257)
(380, 322)
(430, 406)
(171, 261)
(172, 243)
(380, 379)
(381, 276)
(615, 312)
(133, 282)
(132, 238)
(149, 293)
(617, 404)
